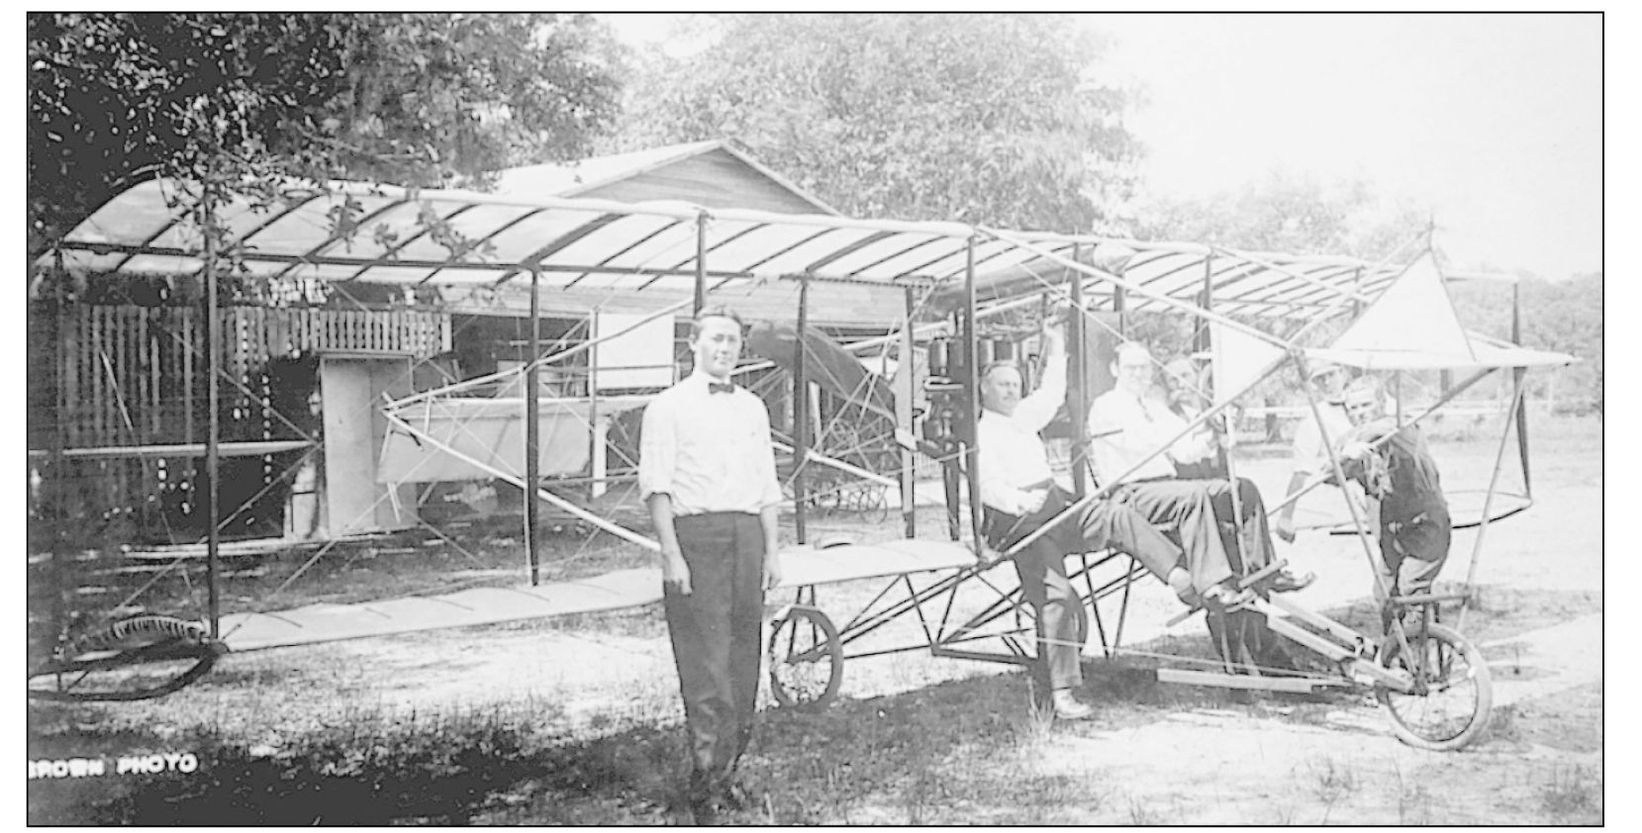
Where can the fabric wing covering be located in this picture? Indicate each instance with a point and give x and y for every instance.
(366, 233)
(1413, 326)
(446, 439)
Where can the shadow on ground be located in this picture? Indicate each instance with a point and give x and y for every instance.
(906, 758)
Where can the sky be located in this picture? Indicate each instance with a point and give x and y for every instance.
(1490, 123)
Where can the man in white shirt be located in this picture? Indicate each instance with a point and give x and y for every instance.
(1019, 494)
(1129, 424)
(707, 471)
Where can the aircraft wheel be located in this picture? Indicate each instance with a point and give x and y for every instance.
(806, 660)
(875, 504)
(1452, 695)
(138, 658)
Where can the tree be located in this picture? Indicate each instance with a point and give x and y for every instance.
(997, 119)
(1304, 216)
(1299, 216)
(252, 100)
(1562, 316)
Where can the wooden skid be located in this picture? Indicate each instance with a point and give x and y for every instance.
(1301, 685)
(1310, 640)
(1316, 620)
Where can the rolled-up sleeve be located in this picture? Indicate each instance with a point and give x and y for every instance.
(658, 449)
(1037, 409)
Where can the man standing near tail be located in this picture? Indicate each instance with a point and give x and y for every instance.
(1395, 467)
(707, 472)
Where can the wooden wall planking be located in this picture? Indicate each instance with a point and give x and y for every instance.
(157, 375)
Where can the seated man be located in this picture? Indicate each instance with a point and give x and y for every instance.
(1399, 475)
(1018, 491)
(1201, 456)
(1129, 424)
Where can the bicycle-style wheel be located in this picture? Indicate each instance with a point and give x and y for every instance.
(133, 659)
(1448, 706)
(806, 659)
(874, 504)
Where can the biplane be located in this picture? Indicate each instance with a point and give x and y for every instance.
(898, 436)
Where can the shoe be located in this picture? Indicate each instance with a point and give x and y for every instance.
(1180, 582)
(735, 797)
(1226, 598)
(1067, 707)
(704, 811)
(707, 797)
(1287, 582)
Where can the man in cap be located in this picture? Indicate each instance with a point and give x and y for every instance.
(1309, 450)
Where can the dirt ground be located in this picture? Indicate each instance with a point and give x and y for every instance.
(1227, 760)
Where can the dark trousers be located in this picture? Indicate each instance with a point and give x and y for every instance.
(1185, 507)
(1253, 550)
(1062, 626)
(1412, 553)
(1062, 623)
(715, 632)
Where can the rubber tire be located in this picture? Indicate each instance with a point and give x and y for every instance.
(876, 508)
(796, 621)
(1483, 701)
(144, 639)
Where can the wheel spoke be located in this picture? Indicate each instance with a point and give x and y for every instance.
(805, 658)
(133, 659)
(1452, 695)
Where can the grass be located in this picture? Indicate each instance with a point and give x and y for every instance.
(1332, 781)
(1413, 802)
(1503, 723)
(955, 752)
(360, 769)
(298, 736)
(1571, 794)
(1148, 813)
(291, 738)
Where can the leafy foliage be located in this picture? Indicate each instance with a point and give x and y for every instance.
(998, 119)
(1301, 216)
(1564, 316)
(251, 101)
(1304, 216)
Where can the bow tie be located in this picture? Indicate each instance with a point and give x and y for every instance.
(720, 387)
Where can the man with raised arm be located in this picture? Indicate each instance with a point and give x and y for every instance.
(1019, 495)
(707, 471)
